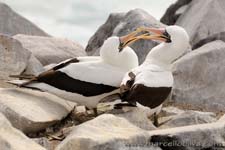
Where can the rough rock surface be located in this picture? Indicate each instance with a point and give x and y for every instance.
(222, 118)
(13, 57)
(122, 24)
(199, 78)
(214, 37)
(174, 11)
(105, 132)
(103, 32)
(31, 110)
(133, 116)
(13, 139)
(50, 50)
(209, 19)
(12, 23)
(46, 143)
(113, 132)
(208, 136)
(190, 118)
(170, 111)
(34, 66)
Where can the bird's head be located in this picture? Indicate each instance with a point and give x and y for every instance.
(175, 43)
(170, 34)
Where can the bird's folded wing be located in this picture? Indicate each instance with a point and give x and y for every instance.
(95, 72)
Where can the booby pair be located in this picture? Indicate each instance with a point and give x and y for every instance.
(86, 80)
(150, 83)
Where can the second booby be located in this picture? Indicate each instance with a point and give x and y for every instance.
(86, 80)
(150, 83)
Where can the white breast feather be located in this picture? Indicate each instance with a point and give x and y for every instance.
(153, 76)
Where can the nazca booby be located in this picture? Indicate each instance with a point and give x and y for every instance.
(86, 80)
(150, 83)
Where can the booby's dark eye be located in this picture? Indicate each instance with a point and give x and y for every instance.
(168, 37)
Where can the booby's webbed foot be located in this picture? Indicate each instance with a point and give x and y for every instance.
(121, 105)
(155, 118)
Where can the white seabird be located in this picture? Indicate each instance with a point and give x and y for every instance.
(86, 80)
(150, 83)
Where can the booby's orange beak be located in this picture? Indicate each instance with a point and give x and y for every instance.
(155, 34)
(147, 34)
(128, 39)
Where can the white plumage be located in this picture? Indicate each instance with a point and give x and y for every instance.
(150, 83)
(86, 80)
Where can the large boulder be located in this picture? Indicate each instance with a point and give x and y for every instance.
(174, 11)
(12, 23)
(13, 57)
(189, 117)
(13, 139)
(133, 116)
(209, 19)
(50, 50)
(34, 66)
(214, 37)
(103, 32)
(106, 132)
(209, 136)
(31, 110)
(120, 24)
(199, 78)
(112, 132)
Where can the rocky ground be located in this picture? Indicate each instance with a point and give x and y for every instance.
(191, 119)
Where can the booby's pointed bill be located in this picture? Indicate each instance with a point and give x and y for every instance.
(128, 39)
(158, 34)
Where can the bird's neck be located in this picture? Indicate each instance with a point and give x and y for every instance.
(107, 54)
(162, 55)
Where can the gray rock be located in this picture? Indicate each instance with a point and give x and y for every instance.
(190, 118)
(31, 110)
(214, 37)
(34, 67)
(12, 23)
(199, 78)
(13, 57)
(131, 114)
(222, 118)
(111, 132)
(5, 84)
(122, 24)
(81, 114)
(106, 132)
(174, 11)
(46, 143)
(170, 111)
(13, 139)
(209, 20)
(103, 32)
(50, 50)
(138, 116)
(208, 136)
